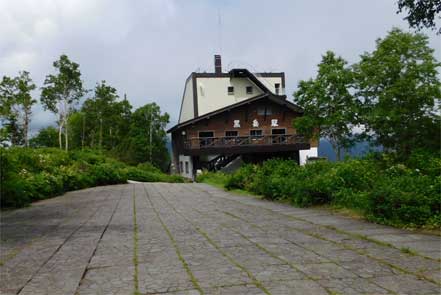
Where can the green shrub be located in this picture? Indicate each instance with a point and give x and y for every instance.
(29, 174)
(214, 178)
(385, 190)
(408, 199)
(242, 179)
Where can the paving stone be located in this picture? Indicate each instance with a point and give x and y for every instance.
(108, 280)
(224, 275)
(353, 286)
(326, 271)
(234, 290)
(295, 287)
(191, 236)
(407, 284)
(164, 278)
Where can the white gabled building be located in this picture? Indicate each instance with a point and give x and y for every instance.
(238, 113)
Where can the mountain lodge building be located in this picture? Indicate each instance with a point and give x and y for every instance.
(224, 116)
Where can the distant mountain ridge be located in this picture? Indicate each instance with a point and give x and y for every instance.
(360, 149)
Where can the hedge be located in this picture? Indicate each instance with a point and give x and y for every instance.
(28, 174)
(384, 190)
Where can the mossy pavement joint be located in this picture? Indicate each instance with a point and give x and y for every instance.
(291, 264)
(348, 247)
(286, 261)
(96, 246)
(135, 246)
(254, 280)
(355, 235)
(89, 264)
(15, 252)
(175, 245)
(361, 252)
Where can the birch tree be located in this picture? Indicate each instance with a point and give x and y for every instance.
(16, 106)
(60, 93)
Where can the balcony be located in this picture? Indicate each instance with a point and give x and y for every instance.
(245, 144)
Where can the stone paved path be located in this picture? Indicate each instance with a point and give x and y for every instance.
(196, 239)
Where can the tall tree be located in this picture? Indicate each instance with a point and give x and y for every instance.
(10, 129)
(46, 137)
(399, 84)
(16, 106)
(61, 91)
(421, 13)
(330, 109)
(106, 121)
(147, 140)
(25, 100)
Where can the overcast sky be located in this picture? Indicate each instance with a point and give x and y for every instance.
(147, 49)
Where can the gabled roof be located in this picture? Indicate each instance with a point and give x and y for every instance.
(244, 73)
(278, 99)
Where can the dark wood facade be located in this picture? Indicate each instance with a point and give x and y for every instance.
(261, 126)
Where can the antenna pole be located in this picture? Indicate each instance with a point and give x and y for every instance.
(219, 30)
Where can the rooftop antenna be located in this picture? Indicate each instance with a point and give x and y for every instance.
(219, 17)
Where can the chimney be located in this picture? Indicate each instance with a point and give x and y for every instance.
(217, 64)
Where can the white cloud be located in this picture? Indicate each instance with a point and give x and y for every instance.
(147, 48)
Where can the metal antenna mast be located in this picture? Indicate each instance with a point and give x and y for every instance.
(219, 30)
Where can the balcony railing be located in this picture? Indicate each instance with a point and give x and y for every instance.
(234, 141)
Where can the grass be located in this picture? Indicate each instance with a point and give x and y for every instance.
(408, 251)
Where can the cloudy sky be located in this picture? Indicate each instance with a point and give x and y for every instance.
(146, 49)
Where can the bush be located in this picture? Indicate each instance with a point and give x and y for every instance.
(217, 179)
(242, 179)
(385, 190)
(28, 174)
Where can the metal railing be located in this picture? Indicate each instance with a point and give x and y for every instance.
(233, 141)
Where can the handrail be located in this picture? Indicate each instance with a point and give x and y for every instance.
(230, 141)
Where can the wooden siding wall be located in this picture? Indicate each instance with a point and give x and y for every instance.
(246, 114)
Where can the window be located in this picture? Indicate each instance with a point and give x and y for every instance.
(230, 90)
(205, 138)
(278, 135)
(186, 167)
(278, 131)
(181, 167)
(249, 89)
(256, 133)
(261, 111)
(231, 133)
(206, 134)
(277, 86)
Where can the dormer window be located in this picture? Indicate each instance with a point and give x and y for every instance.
(249, 89)
(230, 90)
(277, 87)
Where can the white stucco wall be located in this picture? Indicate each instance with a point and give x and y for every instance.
(305, 154)
(269, 82)
(187, 109)
(183, 159)
(213, 92)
